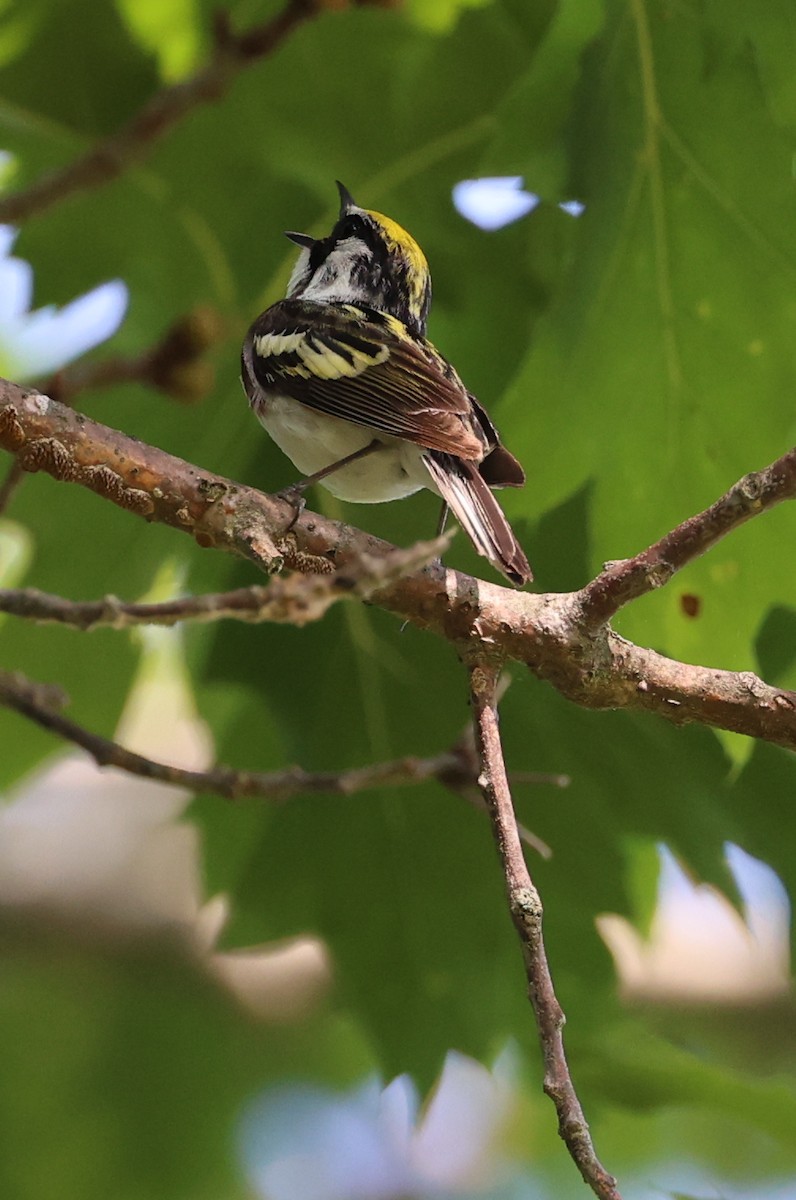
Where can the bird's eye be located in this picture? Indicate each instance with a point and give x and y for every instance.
(350, 226)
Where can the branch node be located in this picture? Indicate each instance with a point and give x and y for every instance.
(753, 684)
(751, 487)
(526, 909)
(659, 573)
(177, 365)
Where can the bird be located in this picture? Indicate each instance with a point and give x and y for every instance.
(344, 380)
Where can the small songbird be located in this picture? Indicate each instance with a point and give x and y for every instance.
(346, 383)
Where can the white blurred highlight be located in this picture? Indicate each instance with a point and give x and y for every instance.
(574, 208)
(301, 1142)
(494, 201)
(700, 948)
(39, 342)
(497, 200)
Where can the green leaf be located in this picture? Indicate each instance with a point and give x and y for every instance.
(670, 322)
(173, 32)
(135, 1064)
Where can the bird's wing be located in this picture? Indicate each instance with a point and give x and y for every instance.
(464, 489)
(362, 365)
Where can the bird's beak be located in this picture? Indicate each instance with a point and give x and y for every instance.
(347, 201)
(305, 240)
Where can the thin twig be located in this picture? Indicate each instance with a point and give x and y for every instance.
(295, 599)
(526, 911)
(291, 599)
(455, 769)
(8, 487)
(621, 582)
(111, 156)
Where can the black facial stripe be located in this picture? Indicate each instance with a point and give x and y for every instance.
(320, 252)
(352, 225)
(383, 277)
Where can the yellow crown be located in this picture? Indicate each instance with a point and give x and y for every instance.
(402, 243)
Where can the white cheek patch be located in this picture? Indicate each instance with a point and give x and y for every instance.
(327, 283)
(332, 280)
(300, 273)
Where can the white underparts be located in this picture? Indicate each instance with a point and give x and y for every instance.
(312, 440)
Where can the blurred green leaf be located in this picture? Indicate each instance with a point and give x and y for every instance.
(126, 1068)
(664, 359)
(776, 647)
(173, 32)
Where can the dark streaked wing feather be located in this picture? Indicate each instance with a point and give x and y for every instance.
(462, 487)
(414, 393)
(501, 469)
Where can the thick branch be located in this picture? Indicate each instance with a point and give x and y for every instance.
(525, 906)
(174, 365)
(593, 667)
(111, 156)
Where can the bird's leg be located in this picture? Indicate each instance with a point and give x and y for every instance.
(295, 493)
(444, 513)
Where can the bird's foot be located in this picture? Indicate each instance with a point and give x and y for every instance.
(294, 496)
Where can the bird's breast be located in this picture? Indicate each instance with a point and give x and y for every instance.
(313, 440)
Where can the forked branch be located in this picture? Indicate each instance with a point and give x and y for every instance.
(456, 769)
(564, 639)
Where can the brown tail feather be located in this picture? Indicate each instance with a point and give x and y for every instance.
(461, 486)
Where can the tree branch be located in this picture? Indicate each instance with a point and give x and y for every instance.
(175, 365)
(621, 582)
(112, 155)
(294, 600)
(525, 906)
(288, 600)
(456, 769)
(594, 667)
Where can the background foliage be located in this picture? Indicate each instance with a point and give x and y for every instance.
(638, 360)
